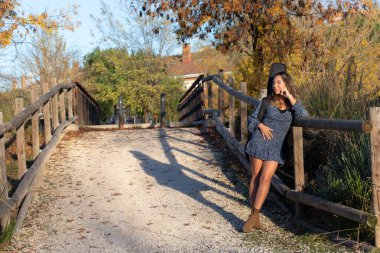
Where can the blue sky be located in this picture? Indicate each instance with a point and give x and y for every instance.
(81, 38)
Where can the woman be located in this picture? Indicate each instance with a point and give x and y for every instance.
(264, 147)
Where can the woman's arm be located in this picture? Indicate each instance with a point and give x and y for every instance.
(253, 121)
(299, 111)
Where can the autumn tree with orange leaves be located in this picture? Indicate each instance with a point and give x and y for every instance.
(15, 24)
(234, 25)
(259, 29)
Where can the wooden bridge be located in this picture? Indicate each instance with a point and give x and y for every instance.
(181, 170)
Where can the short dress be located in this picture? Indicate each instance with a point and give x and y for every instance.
(279, 121)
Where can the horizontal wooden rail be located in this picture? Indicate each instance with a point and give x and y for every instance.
(335, 124)
(17, 121)
(307, 122)
(22, 189)
(84, 91)
(232, 91)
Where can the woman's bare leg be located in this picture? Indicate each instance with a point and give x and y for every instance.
(267, 172)
(256, 165)
(264, 176)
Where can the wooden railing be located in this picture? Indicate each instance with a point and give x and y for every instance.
(61, 106)
(190, 104)
(296, 195)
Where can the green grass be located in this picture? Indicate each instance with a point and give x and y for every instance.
(344, 176)
(8, 232)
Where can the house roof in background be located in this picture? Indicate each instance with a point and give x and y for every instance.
(206, 60)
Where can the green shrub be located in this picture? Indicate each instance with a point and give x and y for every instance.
(346, 178)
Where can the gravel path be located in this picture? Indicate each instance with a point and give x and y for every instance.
(155, 190)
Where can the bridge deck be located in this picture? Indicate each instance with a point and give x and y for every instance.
(156, 190)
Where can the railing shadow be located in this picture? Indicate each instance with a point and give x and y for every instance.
(183, 183)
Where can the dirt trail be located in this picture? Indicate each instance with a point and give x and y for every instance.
(135, 191)
(154, 190)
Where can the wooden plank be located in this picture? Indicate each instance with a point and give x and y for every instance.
(23, 82)
(205, 95)
(235, 93)
(20, 141)
(334, 208)
(62, 107)
(80, 107)
(3, 178)
(243, 115)
(374, 117)
(210, 93)
(47, 122)
(75, 103)
(231, 108)
(205, 98)
(54, 106)
(299, 173)
(221, 97)
(70, 111)
(35, 125)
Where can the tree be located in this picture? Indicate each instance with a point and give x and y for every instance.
(15, 24)
(47, 57)
(138, 77)
(260, 29)
(133, 31)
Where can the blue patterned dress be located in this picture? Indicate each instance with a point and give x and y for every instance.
(279, 121)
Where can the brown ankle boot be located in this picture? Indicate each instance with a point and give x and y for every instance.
(253, 221)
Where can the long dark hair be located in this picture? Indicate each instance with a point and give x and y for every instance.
(276, 99)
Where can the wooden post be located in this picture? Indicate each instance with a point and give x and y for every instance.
(14, 84)
(221, 97)
(205, 98)
(209, 92)
(3, 178)
(62, 107)
(243, 115)
(3, 172)
(231, 108)
(23, 82)
(299, 173)
(121, 113)
(70, 103)
(263, 93)
(79, 106)
(162, 110)
(75, 103)
(374, 117)
(20, 141)
(35, 125)
(47, 123)
(54, 106)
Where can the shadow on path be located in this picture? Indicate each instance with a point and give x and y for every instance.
(179, 181)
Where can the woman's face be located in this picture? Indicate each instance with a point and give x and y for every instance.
(278, 84)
